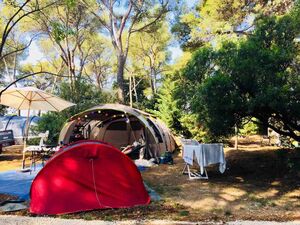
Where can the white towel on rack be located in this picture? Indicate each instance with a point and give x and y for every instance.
(188, 153)
(211, 154)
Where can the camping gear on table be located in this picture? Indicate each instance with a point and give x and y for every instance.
(87, 175)
(120, 125)
(205, 154)
(41, 152)
(32, 98)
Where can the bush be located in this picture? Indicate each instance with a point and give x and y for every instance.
(249, 128)
(53, 122)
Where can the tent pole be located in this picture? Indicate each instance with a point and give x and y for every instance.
(130, 90)
(26, 135)
(236, 137)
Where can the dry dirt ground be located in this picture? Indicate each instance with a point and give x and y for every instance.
(257, 185)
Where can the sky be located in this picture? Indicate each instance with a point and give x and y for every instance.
(35, 55)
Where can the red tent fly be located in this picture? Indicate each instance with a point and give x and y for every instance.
(84, 176)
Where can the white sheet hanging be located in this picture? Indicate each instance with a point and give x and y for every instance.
(206, 154)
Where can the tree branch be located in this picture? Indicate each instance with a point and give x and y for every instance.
(157, 18)
(8, 27)
(18, 50)
(277, 130)
(5, 31)
(124, 19)
(29, 75)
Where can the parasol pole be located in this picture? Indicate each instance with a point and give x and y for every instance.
(26, 135)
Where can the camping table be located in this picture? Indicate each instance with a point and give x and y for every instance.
(206, 154)
(40, 153)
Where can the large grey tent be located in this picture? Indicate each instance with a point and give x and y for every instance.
(120, 126)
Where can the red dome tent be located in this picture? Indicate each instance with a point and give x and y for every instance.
(84, 176)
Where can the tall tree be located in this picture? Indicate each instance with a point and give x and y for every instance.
(70, 33)
(149, 55)
(123, 18)
(100, 61)
(253, 77)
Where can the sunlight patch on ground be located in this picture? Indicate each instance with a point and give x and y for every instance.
(232, 194)
(276, 183)
(205, 204)
(268, 194)
(293, 195)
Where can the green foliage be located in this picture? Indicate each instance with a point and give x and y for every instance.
(216, 102)
(52, 121)
(254, 77)
(2, 110)
(168, 111)
(85, 96)
(70, 3)
(148, 56)
(59, 31)
(192, 128)
(33, 141)
(192, 75)
(249, 127)
(181, 31)
(219, 20)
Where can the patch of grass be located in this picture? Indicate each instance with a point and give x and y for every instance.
(260, 202)
(273, 204)
(65, 216)
(87, 216)
(178, 206)
(217, 211)
(175, 189)
(108, 218)
(184, 213)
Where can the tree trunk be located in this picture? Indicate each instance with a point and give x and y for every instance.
(134, 89)
(130, 91)
(120, 78)
(152, 81)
